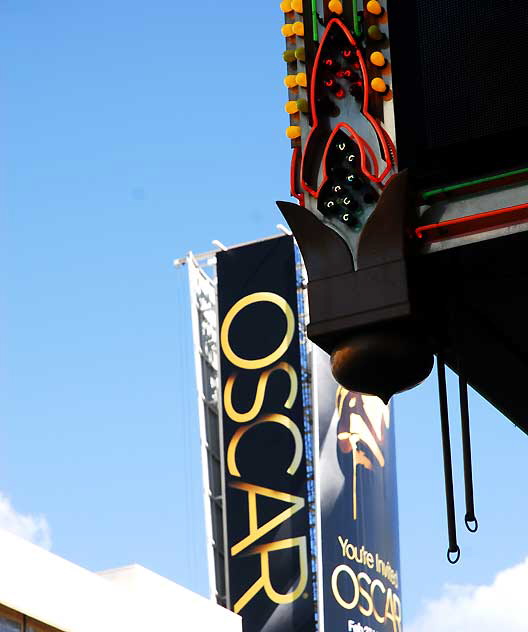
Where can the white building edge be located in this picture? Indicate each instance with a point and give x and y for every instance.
(42, 592)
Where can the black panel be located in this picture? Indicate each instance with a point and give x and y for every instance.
(460, 85)
(475, 300)
(258, 283)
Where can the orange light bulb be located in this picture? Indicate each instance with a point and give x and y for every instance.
(291, 107)
(290, 81)
(378, 85)
(335, 6)
(297, 5)
(301, 79)
(378, 59)
(374, 7)
(293, 131)
(287, 30)
(298, 28)
(286, 6)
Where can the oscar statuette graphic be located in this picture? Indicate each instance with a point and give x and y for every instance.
(362, 420)
(358, 508)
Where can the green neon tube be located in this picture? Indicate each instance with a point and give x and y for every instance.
(315, 25)
(463, 185)
(357, 29)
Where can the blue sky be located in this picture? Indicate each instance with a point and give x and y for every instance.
(133, 132)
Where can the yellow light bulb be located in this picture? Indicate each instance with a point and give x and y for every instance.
(287, 30)
(297, 5)
(290, 81)
(301, 79)
(293, 131)
(378, 85)
(335, 6)
(289, 56)
(374, 7)
(300, 54)
(291, 107)
(302, 105)
(286, 6)
(298, 28)
(374, 33)
(378, 59)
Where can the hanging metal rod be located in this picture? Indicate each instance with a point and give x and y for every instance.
(453, 551)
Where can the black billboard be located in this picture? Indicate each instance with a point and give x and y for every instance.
(269, 565)
(356, 472)
(459, 97)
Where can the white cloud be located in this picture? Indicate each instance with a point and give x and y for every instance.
(27, 526)
(500, 606)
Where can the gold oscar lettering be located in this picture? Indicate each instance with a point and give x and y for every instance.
(256, 531)
(234, 415)
(247, 420)
(264, 581)
(367, 596)
(258, 363)
(281, 420)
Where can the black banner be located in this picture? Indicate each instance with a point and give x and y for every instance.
(268, 532)
(359, 509)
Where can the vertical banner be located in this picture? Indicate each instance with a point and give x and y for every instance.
(360, 565)
(270, 577)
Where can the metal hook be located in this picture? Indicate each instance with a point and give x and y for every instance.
(473, 528)
(455, 552)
